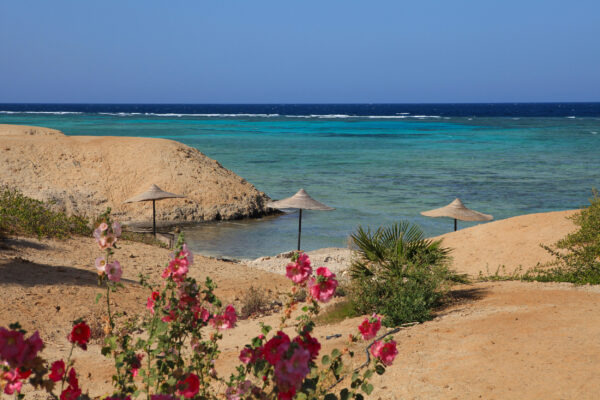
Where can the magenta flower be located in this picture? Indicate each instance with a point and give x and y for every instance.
(370, 327)
(225, 321)
(151, 301)
(57, 370)
(114, 271)
(299, 271)
(384, 351)
(323, 286)
(189, 387)
(13, 380)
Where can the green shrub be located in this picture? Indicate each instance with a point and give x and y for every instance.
(577, 256)
(398, 273)
(22, 215)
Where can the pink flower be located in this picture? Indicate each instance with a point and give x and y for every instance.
(116, 228)
(170, 317)
(80, 335)
(13, 380)
(275, 347)
(57, 370)
(225, 321)
(177, 269)
(248, 355)
(200, 313)
(290, 372)
(299, 271)
(323, 287)
(114, 271)
(370, 327)
(385, 351)
(189, 387)
(101, 265)
(103, 226)
(187, 254)
(151, 301)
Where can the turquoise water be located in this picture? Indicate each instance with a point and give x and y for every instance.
(372, 170)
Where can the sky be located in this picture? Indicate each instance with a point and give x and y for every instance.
(308, 51)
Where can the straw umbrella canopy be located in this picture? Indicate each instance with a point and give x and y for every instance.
(153, 194)
(301, 201)
(457, 210)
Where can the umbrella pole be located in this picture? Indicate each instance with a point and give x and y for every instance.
(454, 224)
(299, 228)
(154, 217)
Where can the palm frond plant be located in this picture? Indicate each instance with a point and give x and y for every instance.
(397, 272)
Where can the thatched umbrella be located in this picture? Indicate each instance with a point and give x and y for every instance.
(153, 194)
(301, 201)
(457, 210)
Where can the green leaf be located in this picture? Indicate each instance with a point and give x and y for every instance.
(344, 394)
(325, 360)
(368, 373)
(335, 353)
(98, 297)
(330, 396)
(380, 369)
(301, 396)
(367, 388)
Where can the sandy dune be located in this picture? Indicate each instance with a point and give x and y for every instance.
(85, 174)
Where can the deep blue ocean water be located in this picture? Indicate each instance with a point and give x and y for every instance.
(375, 163)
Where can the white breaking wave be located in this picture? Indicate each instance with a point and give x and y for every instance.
(41, 112)
(571, 117)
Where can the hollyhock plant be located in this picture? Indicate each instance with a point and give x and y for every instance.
(114, 271)
(299, 271)
(57, 371)
(384, 351)
(188, 387)
(177, 269)
(80, 335)
(14, 380)
(292, 371)
(322, 288)
(370, 326)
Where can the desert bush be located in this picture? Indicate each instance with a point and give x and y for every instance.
(254, 301)
(398, 273)
(577, 256)
(22, 215)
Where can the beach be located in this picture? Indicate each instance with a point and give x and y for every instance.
(493, 340)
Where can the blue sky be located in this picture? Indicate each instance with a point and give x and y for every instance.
(276, 51)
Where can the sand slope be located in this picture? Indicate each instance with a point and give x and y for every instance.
(507, 244)
(85, 174)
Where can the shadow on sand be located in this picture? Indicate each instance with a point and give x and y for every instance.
(23, 272)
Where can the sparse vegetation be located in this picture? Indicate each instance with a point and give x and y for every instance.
(577, 256)
(254, 301)
(22, 215)
(399, 273)
(337, 312)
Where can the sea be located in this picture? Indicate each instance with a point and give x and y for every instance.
(376, 164)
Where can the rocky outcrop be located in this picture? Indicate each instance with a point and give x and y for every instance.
(84, 175)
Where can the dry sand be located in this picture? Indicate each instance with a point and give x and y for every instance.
(501, 246)
(84, 175)
(500, 340)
